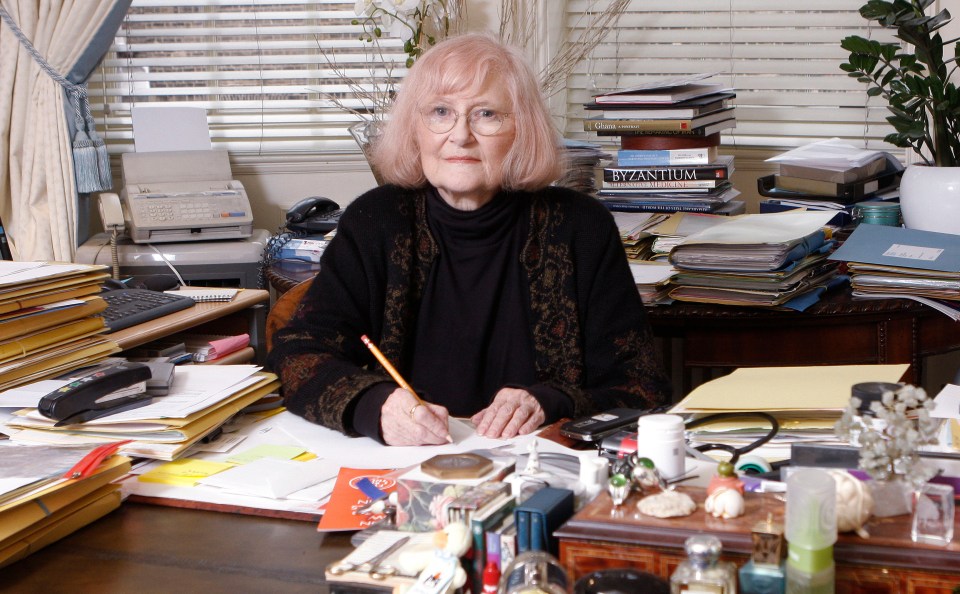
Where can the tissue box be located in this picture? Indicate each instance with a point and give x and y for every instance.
(422, 500)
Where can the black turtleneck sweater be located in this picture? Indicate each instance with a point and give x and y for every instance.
(532, 291)
(472, 334)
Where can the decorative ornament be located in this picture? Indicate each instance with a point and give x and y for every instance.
(645, 475)
(854, 503)
(725, 493)
(619, 488)
(667, 504)
(725, 503)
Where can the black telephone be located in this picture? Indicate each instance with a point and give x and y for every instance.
(314, 215)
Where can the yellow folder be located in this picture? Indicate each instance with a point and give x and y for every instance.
(60, 524)
(26, 512)
(20, 347)
(22, 322)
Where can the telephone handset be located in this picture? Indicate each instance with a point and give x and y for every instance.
(314, 215)
(111, 213)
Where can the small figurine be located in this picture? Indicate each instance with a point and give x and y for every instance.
(725, 493)
(439, 568)
(533, 459)
(619, 488)
(645, 475)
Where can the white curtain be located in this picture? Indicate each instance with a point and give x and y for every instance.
(38, 192)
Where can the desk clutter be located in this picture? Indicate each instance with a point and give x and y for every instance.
(483, 512)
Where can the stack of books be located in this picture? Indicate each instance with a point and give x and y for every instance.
(48, 320)
(40, 505)
(887, 262)
(669, 137)
(830, 175)
(757, 260)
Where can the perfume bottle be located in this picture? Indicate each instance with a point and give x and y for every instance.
(703, 571)
(765, 572)
(811, 531)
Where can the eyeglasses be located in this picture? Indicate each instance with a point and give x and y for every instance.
(441, 119)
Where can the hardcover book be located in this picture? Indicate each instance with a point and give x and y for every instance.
(644, 142)
(713, 171)
(684, 109)
(839, 176)
(661, 94)
(701, 131)
(539, 516)
(627, 124)
(688, 184)
(693, 156)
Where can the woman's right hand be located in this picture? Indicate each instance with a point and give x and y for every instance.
(406, 422)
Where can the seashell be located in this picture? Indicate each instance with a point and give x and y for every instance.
(667, 504)
(854, 502)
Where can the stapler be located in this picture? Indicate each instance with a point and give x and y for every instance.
(103, 392)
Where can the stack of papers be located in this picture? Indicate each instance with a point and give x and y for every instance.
(634, 230)
(757, 260)
(892, 262)
(38, 506)
(807, 405)
(48, 319)
(200, 400)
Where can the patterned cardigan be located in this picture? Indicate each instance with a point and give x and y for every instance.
(591, 338)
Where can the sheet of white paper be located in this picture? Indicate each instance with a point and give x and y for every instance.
(170, 128)
(22, 272)
(947, 403)
(29, 395)
(651, 273)
(363, 452)
(763, 228)
(270, 477)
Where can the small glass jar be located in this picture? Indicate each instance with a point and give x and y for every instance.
(534, 572)
(703, 571)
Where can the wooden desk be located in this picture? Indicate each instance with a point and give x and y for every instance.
(145, 549)
(837, 330)
(245, 313)
(888, 562)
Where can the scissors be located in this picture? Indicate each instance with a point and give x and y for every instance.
(372, 566)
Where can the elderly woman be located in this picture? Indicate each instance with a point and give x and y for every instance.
(496, 296)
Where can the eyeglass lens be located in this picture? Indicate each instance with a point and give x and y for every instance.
(440, 119)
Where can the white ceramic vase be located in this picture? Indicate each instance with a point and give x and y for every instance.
(930, 198)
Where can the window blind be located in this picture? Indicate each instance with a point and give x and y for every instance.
(781, 57)
(266, 71)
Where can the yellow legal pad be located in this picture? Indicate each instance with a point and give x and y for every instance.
(785, 388)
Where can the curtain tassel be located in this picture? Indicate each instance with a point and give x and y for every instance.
(85, 163)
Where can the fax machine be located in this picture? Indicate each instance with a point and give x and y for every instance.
(177, 196)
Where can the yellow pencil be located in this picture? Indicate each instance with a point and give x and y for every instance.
(395, 375)
(390, 368)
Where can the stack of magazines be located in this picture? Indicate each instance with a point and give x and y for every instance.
(888, 262)
(757, 260)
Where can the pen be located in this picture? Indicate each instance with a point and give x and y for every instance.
(393, 371)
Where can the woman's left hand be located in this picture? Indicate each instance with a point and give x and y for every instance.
(513, 412)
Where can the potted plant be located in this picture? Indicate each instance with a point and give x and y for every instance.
(924, 104)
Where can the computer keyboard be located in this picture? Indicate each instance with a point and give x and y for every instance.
(129, 307)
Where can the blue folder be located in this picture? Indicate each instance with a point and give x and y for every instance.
(897, 246)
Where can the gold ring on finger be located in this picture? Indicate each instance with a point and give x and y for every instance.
(413, 409)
